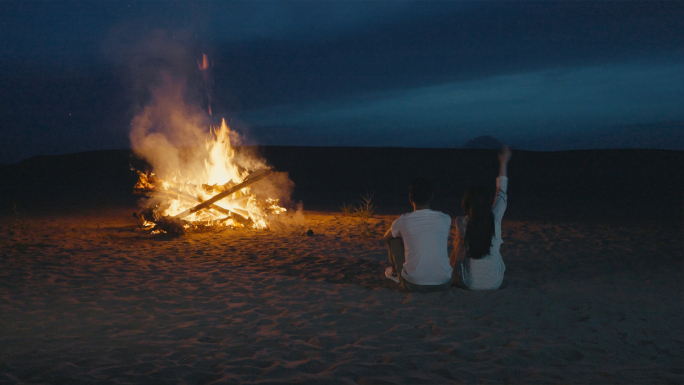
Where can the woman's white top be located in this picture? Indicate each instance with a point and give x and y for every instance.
(485, 273)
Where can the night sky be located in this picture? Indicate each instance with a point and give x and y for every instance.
(536, 75)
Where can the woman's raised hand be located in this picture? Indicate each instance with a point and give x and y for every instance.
(505, 155)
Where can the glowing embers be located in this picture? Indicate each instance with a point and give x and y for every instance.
(217, 193)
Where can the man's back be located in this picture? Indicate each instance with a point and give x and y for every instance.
(425, 235)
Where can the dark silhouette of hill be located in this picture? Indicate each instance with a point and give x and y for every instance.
(484, 142)
(607, 186)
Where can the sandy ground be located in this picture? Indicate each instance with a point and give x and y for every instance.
(95, 298)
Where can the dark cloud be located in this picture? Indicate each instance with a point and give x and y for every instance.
(565, 101)
(279, 63)
(481, 41)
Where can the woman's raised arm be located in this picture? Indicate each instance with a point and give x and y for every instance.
(504, 157)
(500, 200)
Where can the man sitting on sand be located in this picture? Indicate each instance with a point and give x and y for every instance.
(418, 244)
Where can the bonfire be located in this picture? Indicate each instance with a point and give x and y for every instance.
(217, 195)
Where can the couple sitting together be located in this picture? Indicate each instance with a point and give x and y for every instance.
(418, 241)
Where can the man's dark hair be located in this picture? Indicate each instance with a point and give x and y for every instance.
(420, 191)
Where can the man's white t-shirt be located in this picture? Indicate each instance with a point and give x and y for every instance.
(425, 234)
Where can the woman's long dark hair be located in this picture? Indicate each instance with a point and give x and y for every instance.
(477, 205)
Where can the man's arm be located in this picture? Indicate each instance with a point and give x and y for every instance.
(388, 236)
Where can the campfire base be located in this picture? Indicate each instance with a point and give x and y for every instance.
(170, 225)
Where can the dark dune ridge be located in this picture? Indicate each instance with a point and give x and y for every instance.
(606, 186)
(484, 142)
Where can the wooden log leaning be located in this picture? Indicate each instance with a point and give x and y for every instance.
(190, 197)
(257, 176)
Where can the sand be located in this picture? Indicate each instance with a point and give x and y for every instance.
(88, 296)
(98, 299)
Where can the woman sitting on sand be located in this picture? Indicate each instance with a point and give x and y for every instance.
(476, 259)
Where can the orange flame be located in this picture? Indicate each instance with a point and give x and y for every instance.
(187, 188)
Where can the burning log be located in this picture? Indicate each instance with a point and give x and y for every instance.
(237, 218)
(170, 225)
(257, 176)
(162, 224)
(190, 197)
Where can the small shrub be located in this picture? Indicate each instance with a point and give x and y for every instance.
(364, 211)
(347, 209)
